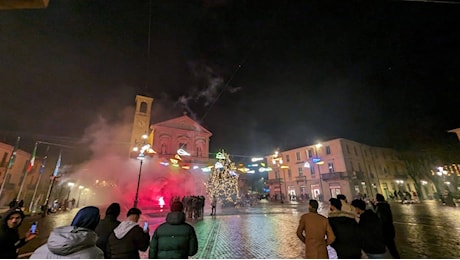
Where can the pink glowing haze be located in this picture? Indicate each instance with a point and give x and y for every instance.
(111, 176)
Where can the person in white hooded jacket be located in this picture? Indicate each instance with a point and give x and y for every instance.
(77, 241)
(128, 238)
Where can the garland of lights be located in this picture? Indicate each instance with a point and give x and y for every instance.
(223, 181)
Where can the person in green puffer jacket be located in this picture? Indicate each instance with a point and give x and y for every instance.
(174, 239)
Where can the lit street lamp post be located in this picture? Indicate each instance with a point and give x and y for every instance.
(278, 161)
(142, 149)
(317, 146)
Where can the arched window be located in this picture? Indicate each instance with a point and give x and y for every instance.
(143, 108)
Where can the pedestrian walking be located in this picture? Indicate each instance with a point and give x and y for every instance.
(75, 241)
(383, 211)
(213, 205)
(346, 231)
(315, 232)
(10, 240)
(128, 238)
(370, 231)
(175, 238)
(107, 225)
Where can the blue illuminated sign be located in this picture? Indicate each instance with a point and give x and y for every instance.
(316, 160)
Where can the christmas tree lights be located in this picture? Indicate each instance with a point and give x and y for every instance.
(223, 181)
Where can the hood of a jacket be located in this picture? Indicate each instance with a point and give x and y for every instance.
(68, 240)
(340, 213)
(10, 212)
(124, 228)
(175, 218)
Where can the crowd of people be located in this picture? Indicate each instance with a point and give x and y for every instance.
(350, 229)
(89, 237)
(194, 205)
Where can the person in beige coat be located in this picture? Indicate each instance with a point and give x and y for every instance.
(315, 232)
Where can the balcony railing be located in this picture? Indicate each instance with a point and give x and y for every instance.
(334, 176)
(357, 175)
(301, 179)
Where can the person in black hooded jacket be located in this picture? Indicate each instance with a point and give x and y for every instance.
(107, 225)
(9, 235)
(383, 211)
(346, 231)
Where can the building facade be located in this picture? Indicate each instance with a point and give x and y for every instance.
(33, 183)
(339, 166)
(182, 133)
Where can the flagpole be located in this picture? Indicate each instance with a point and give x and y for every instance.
(50, 188)
(10, 164)
(27, 171)
(42, 169)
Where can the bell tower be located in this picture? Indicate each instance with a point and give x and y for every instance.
(141, 122)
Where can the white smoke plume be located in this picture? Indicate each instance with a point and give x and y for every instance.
(208, 89)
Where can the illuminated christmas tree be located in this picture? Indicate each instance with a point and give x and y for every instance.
(223, 181)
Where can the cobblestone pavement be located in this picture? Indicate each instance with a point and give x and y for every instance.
(265, 231)
(425, 230)
(249, 236)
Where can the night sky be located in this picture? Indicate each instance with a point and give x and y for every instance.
(258, 74)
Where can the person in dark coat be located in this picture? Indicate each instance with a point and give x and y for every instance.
(346, 231)
(128, 238)
(174, 239)
(370, 231)
(9, 234)
(107, 225)
(383, 211)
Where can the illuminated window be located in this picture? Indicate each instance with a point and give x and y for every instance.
(331, 167)
(328, 149)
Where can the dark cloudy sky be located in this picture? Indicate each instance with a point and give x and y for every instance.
(258, 74)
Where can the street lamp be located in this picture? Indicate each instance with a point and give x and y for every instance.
(318, 162)
(278, 161)
(79, 194)
(142, 149)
